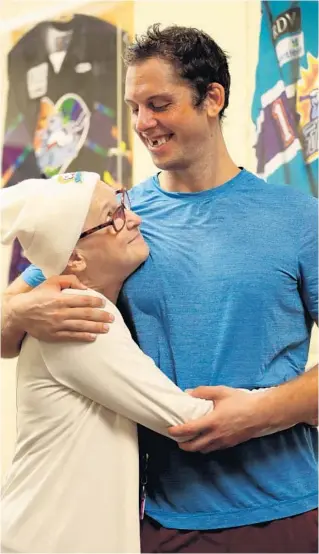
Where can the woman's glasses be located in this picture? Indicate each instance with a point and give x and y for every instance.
(118, 217)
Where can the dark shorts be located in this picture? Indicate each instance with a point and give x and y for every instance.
(292, 534)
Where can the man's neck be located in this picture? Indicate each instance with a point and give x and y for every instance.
(211, 170)
(188, 181)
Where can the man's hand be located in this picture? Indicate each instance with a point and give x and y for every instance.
(240, 415)
(47, 314)
(237, 417)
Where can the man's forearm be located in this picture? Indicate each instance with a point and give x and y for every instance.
(291, 403)
(240, 416)
(11, 334)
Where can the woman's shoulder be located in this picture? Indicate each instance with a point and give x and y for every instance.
(108, 306)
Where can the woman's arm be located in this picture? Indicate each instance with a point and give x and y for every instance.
(114, 372)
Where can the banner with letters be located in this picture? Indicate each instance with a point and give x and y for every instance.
(285, 103)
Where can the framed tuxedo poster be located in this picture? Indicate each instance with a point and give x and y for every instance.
(65, 109)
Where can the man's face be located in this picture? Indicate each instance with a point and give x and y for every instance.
(164, 116)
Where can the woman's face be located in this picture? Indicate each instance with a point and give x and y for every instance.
(107, 252)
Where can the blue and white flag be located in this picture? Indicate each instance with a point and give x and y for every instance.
(285, 103)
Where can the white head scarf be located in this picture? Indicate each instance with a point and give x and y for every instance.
(47, 217)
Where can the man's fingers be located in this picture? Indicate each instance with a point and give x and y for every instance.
(82, 326)
(64, 336)
(78, 301)
(197, 444)
(87, 314)
(210, 393)
(206, 444)
(65, 282)
(212, 446)
(192, 427)
(71, 282)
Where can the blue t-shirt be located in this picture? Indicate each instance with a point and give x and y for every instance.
(227, 297)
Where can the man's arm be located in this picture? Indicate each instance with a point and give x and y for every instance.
(12, 333)
(240, 416)
(295, 401)
(47, 314)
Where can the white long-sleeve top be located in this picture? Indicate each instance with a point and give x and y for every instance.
(73, 484)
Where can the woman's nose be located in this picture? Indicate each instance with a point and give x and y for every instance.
(132, 219)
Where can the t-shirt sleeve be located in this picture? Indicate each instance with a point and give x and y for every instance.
(114, 372)
(33, 276)
(308, 261)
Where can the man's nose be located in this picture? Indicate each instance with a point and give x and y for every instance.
(144, 120)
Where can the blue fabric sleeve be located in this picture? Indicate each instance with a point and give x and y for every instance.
(33, 276)
(308, 261)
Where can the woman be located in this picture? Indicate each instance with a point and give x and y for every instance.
(73, 484)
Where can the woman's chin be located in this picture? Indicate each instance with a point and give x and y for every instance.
(141, 255)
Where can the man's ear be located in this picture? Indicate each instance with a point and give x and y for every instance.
(215, 99)
(77, 263)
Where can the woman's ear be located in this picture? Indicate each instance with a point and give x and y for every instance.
(77, 263)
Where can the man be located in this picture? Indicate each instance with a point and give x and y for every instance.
(227, 297)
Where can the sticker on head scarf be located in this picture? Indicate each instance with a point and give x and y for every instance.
(67, 177)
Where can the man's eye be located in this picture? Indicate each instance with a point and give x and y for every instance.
(134, 111)
(161, 108)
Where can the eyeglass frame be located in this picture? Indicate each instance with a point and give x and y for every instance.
(119, 210)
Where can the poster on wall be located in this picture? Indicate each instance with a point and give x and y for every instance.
(65, 107)
(285, 104)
